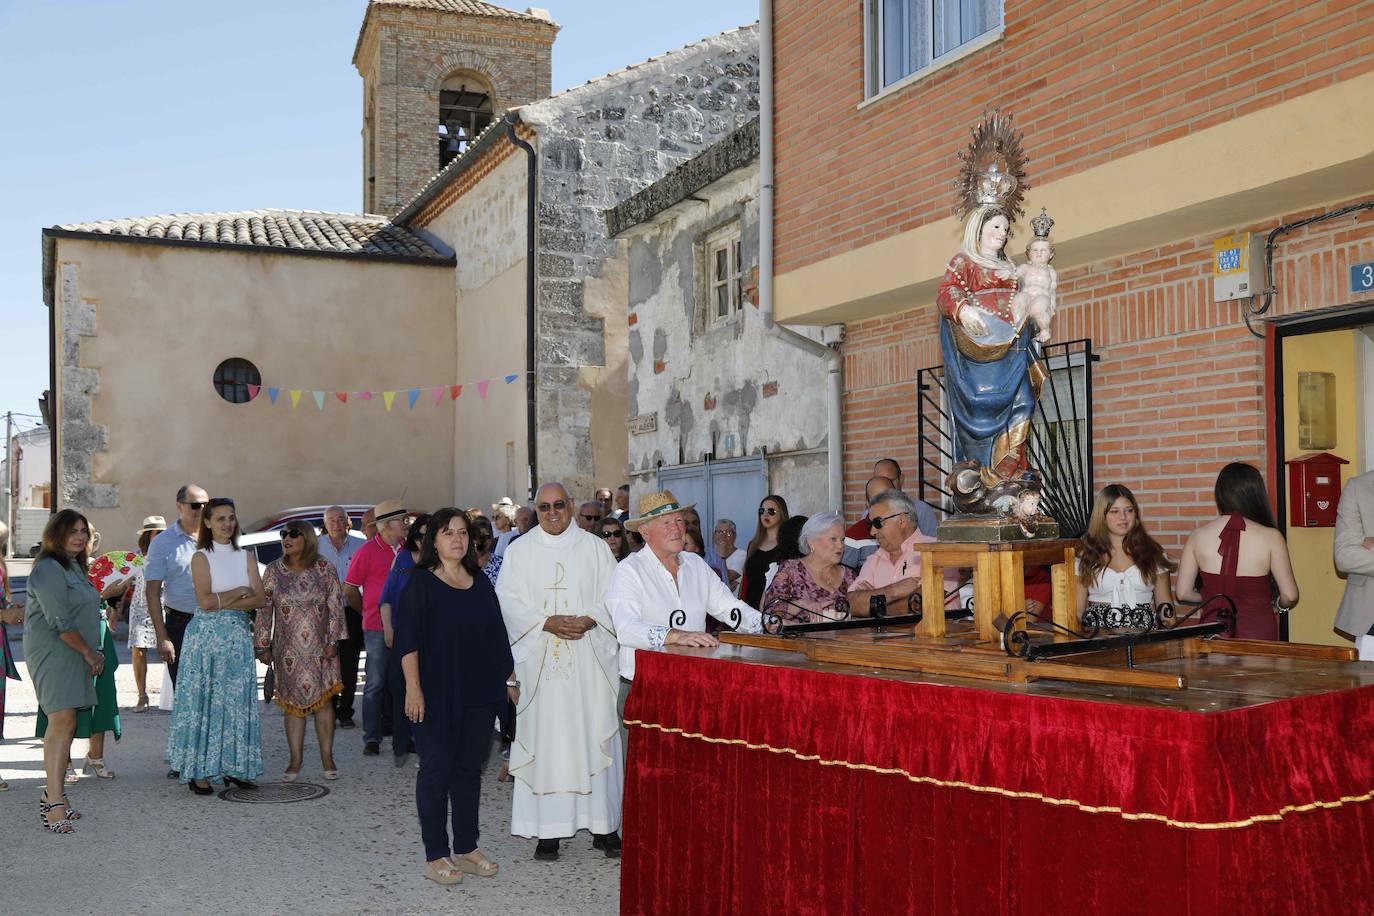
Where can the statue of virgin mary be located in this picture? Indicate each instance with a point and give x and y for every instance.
(993, 370)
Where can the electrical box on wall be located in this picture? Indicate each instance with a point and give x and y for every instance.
(1237, 267)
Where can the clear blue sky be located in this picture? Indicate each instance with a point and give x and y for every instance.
(140, 107)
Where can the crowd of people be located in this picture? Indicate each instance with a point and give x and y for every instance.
(523, 621)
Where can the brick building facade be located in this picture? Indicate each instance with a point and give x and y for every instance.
(1152, 129)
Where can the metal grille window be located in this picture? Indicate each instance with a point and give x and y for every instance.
(232, 378)
(725, 286)
(907, 36)
(1060, 445)
(464, 112)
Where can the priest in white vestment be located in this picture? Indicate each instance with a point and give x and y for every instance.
(566, 759)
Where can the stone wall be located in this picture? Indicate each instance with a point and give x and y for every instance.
(404, 54)
(726, 387)
(598, 144)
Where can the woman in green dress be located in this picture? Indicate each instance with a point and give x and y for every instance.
(62, 647)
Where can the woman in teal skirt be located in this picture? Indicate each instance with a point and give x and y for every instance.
(61, 647)
(215, 730)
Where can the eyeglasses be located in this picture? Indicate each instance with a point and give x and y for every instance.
(877, 523)
(557, 505)
(612, 534)
(196, 506)
(289, 533)
(768, 510)
(592, 518)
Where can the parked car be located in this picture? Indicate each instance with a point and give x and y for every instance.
(312, 514)
(266, 545)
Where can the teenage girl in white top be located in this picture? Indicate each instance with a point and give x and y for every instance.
(1120, 565)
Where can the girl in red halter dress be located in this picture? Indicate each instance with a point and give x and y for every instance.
(1241, 555)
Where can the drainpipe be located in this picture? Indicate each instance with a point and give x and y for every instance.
(531, 372)
(834, 387)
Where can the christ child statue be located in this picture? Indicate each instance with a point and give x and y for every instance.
(1037, 281)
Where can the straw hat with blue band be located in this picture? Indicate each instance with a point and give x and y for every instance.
(656, 505)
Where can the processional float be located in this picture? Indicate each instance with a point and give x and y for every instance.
(995, 318)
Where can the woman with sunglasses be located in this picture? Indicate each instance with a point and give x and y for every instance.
(763, 550)
(613, 533)
(215, 729)
(297, 632)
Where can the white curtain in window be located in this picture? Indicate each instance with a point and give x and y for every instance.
(960, 21)
(906, 38)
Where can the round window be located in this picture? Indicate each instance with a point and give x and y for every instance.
(232, 378)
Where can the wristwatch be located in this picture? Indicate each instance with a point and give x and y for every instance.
(512, 683)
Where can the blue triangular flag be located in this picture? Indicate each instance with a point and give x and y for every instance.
(319, 399)
(511, 378)
(272, 394)
(414, 395)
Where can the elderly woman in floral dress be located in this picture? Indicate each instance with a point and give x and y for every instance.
(296, 631)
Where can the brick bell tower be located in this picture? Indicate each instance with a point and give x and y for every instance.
(435, 74)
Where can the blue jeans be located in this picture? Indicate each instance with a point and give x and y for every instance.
(377, 655)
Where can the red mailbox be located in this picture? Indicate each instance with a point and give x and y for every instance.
(1314, 488)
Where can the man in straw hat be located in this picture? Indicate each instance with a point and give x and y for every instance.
(363, 591)
(663, 582)
(566, 759)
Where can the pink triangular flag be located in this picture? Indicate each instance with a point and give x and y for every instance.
(364, 395)
(438, 395)
(482, 388)
(253, 391)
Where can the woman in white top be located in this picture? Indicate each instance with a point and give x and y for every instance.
(1123, 573)
(215, 731)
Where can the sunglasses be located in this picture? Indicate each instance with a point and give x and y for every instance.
(196, 506)
(289, 533)
(877, 523)
(612, 534)
(556, 506)
(768, 510)
(592, 518)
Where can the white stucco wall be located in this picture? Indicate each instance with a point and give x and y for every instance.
(486, 227)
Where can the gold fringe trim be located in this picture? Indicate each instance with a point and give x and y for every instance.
(314, 707)
(1012, 793)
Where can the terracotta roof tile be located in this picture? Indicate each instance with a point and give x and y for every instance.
(470, 7)
(295, 230)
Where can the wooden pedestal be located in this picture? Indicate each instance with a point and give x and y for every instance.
(999, 582)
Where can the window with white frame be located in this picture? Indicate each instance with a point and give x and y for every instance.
(907, 36)
(724, 257)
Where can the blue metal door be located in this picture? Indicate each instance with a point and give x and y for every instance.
(729, 489)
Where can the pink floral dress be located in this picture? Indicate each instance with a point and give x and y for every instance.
(302, 619)
(793, 586)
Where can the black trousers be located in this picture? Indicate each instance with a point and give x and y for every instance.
(400, 725)
(175, 621)
(450, 778)
(350, 648)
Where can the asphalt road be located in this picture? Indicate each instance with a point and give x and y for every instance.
(147, 845)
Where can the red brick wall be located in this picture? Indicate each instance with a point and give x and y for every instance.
(1088, 81)
(1180, 389)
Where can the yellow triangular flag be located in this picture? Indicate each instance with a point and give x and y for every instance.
(388, 397)
(295, 397)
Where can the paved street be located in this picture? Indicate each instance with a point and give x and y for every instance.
(147, 845)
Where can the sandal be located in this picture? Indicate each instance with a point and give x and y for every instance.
(53, 826)
(443, 871)
(290, 776)
(97, 766)
(68, 812)
(142, 704)
(481, 867)
(4, 786)
(71, 778)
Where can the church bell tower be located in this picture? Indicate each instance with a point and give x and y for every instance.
(435, 74)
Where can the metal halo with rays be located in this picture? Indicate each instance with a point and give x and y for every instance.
(993, 166)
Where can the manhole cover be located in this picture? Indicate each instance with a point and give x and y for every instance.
(275, 793)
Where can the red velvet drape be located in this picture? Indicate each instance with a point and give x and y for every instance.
(754, 789)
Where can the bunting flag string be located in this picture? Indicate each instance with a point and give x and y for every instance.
(412, 394)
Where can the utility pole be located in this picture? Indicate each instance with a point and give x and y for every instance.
(9, 478)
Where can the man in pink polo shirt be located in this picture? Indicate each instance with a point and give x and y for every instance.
(894, 569)
(367, 574)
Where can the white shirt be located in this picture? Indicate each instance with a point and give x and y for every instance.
(735, 564)
(644, 599)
